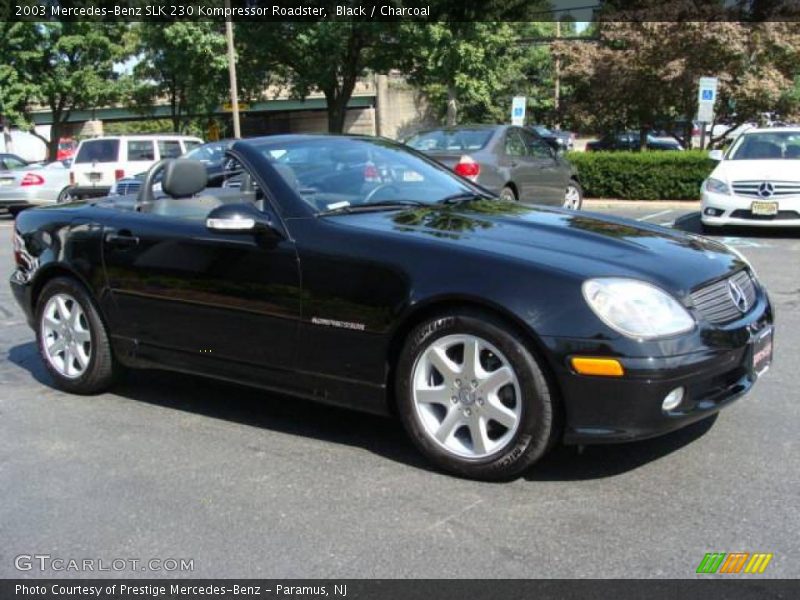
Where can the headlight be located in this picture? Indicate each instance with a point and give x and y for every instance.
(636, 309)
(717, 186)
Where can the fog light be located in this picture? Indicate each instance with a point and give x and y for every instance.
(673, 399)
(713, 212)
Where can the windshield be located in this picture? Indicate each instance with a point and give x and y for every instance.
(333, 173)
(542, 130)
(767, 145)
(211, 153)
(450, 140)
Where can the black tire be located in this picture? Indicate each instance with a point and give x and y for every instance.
(101, 369)
(536, 430)
(508, 193)
(64, 196)
(579, 189)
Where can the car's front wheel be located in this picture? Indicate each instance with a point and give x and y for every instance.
(72, 338)
(65, 196)
(573, 196)
(473, 397)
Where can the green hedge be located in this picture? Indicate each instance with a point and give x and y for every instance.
(656, 175)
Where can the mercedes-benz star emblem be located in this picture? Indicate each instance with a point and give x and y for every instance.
(737, 296)
(766, 189)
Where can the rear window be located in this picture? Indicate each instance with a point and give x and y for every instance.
(169, 148)
(444, 140)
(191, 144)
(101, 151)
(141, 150)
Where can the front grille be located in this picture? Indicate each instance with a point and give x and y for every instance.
(782, 215)
(128, 187)
(715, 303)
(782, 189)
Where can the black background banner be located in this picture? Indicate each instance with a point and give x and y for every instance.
(403, 10)
(253, 589)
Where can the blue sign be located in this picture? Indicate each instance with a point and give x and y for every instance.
(708, 95)
(518, 112)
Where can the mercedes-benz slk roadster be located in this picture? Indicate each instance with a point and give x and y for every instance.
(357, 272)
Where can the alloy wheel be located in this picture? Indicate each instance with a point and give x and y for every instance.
(572, 198)
(466, 396)
(66, 337)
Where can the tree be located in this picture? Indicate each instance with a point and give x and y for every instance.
(464, 67)
(641, 74)
(13, 89)
(63, 66)
(328, 56)
(185, 64)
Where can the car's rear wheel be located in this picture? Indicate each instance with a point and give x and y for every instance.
(573, 196)
(508, 193)
(473, 397)
(72, 338)
(65, 196)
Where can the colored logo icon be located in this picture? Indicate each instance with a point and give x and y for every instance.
(734, 563)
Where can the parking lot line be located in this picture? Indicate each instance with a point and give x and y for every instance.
(654, 215)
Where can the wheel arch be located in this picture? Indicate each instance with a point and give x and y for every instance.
(51, 271)
(513, 186)
(432, 307)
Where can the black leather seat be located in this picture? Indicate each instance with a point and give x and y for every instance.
(183, 181)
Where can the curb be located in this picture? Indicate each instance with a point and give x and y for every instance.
(663, 204)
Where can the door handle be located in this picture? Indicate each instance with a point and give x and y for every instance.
(123, 238)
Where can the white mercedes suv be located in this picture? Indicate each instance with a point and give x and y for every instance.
(757, 181)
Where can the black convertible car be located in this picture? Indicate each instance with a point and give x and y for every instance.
(358, 272)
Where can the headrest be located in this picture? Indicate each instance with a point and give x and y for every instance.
(184, 177)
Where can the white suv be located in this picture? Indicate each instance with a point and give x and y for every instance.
(99, 162)
(757, 181)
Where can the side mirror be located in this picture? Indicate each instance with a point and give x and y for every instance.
(716, 155)
(241, 218)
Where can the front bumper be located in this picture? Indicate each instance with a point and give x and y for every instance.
(735, 210)
(611, 409)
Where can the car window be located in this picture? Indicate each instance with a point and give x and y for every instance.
(208, 152)
(515, 146)
(167, 149)
(191, 145)
(447, 140)
(12, 163)
(333, 173)
(536, 147)
(101, 151)
(771, 145)
(141, 150)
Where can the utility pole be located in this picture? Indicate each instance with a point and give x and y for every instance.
(557, 69)
(237, 130)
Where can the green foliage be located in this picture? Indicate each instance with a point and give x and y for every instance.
(656, 175)
(186, 64)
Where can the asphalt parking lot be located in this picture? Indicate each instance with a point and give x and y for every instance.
(249, 484)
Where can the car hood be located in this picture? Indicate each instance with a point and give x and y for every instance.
(757, 170)
(579, 243)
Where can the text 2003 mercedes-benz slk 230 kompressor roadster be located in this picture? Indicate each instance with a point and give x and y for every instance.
(358, 272)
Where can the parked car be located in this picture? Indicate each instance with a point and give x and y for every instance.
(493, 329)
(560, 141)
(99, 162)
(629, 140)
(510, 161)
(211, 154)
(66, 149)
(757, 181)
(24, 184)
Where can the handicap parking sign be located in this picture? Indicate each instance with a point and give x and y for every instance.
(708, 95)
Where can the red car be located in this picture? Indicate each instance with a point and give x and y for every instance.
(66, 148)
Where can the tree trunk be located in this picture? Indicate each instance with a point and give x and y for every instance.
(9, 141)
(643, 138)
(452, 106)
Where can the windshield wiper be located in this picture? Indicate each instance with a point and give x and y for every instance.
(383, 204)
(462, 197)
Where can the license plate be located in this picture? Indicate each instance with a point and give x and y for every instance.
(94, 177)
(762, 351)
(6, 181)
(764, 209)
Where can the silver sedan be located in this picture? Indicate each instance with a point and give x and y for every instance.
(29, 184)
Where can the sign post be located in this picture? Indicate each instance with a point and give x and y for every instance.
(706, 97)
(518, 104)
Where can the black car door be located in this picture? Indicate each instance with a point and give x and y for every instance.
(193, 294)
